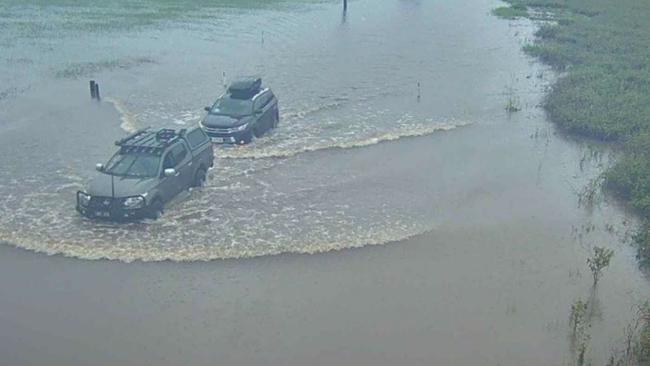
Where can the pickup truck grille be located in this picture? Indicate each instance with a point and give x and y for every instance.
(98, 202)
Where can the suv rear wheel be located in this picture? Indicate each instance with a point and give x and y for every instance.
(276, 121)
(258, 131)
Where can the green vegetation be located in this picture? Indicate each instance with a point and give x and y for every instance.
(635, 349)
(511, 12)
(77, 70)
(599, 261)
(635, 346)
(57, 18)
(579, 336)
(641, 347)
(512, 105)
(603, 49)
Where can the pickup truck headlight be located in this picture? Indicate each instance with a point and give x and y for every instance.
(84, 198)
(134, 202)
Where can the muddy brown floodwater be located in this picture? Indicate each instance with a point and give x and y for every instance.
(371, 228)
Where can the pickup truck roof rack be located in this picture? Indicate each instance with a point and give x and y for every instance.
(150, 141)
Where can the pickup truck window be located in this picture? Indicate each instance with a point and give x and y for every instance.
(168, 162)
(178, 153)
(196, 138)
(133, 165)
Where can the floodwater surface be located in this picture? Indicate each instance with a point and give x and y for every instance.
(262, 199)
(393, 131)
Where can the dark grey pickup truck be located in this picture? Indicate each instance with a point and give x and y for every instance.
(150, 168)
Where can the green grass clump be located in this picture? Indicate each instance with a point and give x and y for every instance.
(603, 49)
(511, 12)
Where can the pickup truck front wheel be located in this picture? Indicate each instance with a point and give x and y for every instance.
(156, 209)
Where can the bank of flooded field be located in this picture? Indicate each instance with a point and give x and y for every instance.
(472, 222)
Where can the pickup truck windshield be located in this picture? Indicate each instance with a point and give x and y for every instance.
(133, 165)
(232, 107)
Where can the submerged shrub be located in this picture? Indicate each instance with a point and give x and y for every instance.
(642, 349)
(599, 261)
(642, 240)
(579, 336)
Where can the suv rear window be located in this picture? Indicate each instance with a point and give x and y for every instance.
(196, 138)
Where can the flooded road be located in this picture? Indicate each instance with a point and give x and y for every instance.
(486, 241)
(262, 199)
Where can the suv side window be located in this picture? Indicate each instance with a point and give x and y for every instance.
(263, 100)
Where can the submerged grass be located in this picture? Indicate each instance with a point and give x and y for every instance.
(511, 12)
(76, 70)
(22, 20)
(603, 48)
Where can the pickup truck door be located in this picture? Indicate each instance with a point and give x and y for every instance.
(184, 164)
(179, 158)
(201, 148)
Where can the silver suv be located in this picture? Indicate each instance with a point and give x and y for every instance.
(245, 111)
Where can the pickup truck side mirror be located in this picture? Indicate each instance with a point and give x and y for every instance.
(169, 172)
(99, 167)
(207, 109)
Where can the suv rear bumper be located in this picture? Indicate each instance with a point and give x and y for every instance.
(109, 208)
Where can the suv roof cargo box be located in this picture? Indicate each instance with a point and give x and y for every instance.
(245, 88)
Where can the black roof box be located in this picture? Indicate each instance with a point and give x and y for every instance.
(245, 88)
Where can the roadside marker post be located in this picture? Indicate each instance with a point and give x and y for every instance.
(97, 92)
(92, 89)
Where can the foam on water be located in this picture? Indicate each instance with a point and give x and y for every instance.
(129, 122)
(254, 151)
(191, 252)
(258, 220)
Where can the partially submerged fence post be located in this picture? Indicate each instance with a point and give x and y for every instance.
(345, 5)
(97, 92)
(92, 89)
